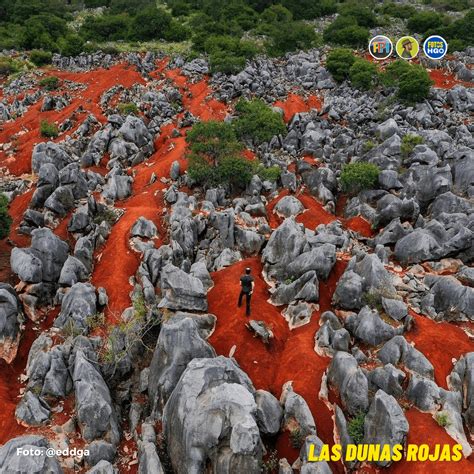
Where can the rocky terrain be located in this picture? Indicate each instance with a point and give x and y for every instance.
(119, 326)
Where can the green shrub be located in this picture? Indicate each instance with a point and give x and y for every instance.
(48, 129)
(423, 21)
(362, 14)
(358, 176)
(268, 174)
(150, 23)
(339, 63)
(296, 438)
(394, 71)
(215, 156)
(128, 108)
(257, 122)
(49, 83)
(409, 142)
(291, 36)
(39, 57)
(345, 31)
(309, 9)
(442, 418)
(106, 27)
(8, 66)
(414, 85)
(228, 54)
(363, 74)
(397, 10)
(368, 145)
(5, 219)
(71, 45)
(355, 428)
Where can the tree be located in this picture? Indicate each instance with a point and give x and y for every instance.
(5, 219)
(414, 85)
(339, 63)
(39, 57)
(309, 9)
(150, 23)
(423, 21)
(363, 74)
(71, 45)
(215, 155)
(394, 71)
(345, 31)
(363, 15)
(257, 121)
(290, 36)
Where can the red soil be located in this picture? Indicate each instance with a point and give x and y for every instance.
(289, 356)
(425, 430)
(440, 343)
(360, 225)
(445, 80)
(295, 104)
(97, 82)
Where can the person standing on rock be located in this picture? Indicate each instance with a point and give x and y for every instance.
(246, 288)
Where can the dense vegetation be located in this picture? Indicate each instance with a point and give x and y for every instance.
(215, 27)
(358, 176)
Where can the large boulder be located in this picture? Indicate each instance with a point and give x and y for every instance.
(296, 413)
(210, 420)
(285, 244)
(33, 461)
(44, 260)
(95, 411)
(179, 342)
(462, 380)
(181, 291)
(269, 412)
(289, 206)
(79, 303)
(397, 350)
(350, 381)
(385, 423)
(370, 328)
(11, 319)
(321, 259)
(49, 153)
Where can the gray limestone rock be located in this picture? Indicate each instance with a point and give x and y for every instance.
(269, 412)
(385, 423)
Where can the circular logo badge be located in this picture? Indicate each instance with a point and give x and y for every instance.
(435, 47)
(407, 47)
(380, 47)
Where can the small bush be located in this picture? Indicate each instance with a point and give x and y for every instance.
(291, 36)
(48, 129)
(39, 57)
(49, 83)
(5, 219)
(442, 418)
(345, 31)
(423, 21)
(414, 85)
(8, 66)
(106, 214)
(394, 71)
(409, 142)
(355, 428)
(151, 23)
(71, 45)
(339, 63)
(257, 121)
(269, 174)
(271, 464)
(127, 108)
(296, 438)
(363, 74)
(368, 145)
(358, 176)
